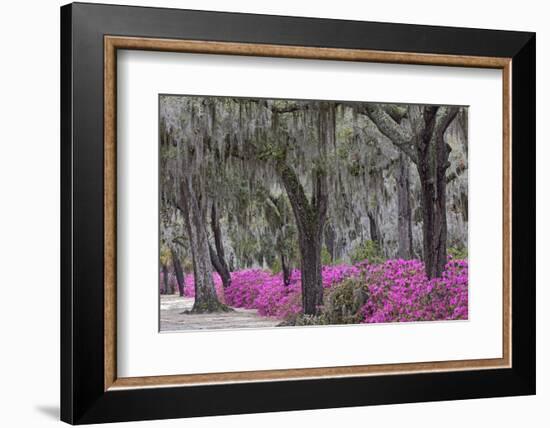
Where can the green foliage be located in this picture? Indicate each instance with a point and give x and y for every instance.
(271, 151)
(344, 134)
(165, 255)
(209, 307)
(280, 233)
(373, 199)
(276, 266)
(303, 320)
(367, 250)
(355, 168)
(246, 247)
(187, 265)
(326, 259)
(343, 303)
(458, 253)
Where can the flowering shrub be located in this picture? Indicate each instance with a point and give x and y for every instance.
(336, 274)
(400, 291)
(394, 291)
(343, 302)
(259, 289)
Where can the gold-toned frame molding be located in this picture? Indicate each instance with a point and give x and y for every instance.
(113, 43)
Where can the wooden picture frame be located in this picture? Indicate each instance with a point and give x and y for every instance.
(91, 390)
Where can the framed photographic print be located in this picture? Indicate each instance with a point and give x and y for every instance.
(265, 213)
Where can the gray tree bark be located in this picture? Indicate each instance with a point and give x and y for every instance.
(180, 278)
(218, 255)
(206, 299)
(311, 215)
(404, 224)
(432, 164)
(310, 218)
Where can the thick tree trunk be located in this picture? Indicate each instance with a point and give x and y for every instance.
(220, 264)
(404, 225)
(180, 278)
(309, 222)
(311, 216)
(433, 161)
(428, 226)
(427, 149)
(206, 299)
(312, 281)
(427, 167)
(440, 211)
(434, 227)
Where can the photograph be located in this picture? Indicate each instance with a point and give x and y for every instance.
(289, 212)
(245, 214)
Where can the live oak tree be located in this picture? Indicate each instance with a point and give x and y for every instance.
(310, 212)
(423, 142)
(183, 130)
(286, 133)
(401, 171)
(361, 187)
(206, 299)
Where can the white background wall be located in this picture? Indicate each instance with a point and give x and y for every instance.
(29, 215)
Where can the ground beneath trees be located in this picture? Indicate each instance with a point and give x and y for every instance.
(172, 317)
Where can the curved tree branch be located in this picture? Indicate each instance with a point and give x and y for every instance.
(444, 118)
(385, 123)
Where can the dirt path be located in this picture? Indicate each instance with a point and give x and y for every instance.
(172, 318)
